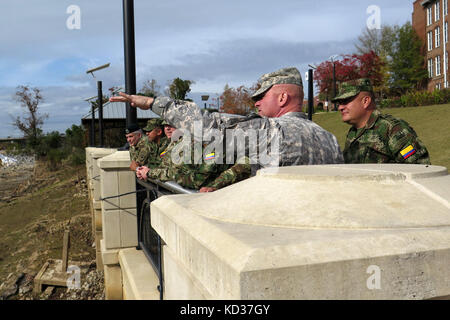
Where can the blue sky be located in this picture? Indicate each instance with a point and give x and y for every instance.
(211, 42)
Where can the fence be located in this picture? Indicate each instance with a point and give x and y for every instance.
(148, 239)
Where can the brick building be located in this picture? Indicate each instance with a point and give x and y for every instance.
(430, 21)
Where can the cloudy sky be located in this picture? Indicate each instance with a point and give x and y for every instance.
(209, 41)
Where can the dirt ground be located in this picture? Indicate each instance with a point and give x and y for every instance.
(36, 206)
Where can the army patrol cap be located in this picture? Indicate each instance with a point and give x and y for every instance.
(132, 128)
(153, 124)
(165, 123)
(282, 76)
(352, 88)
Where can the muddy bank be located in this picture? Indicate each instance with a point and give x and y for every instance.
(16, 173)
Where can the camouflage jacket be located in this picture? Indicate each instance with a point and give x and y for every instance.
(187, 175)
(385, 139)
(154, 158)
(140, 151)
(234, 174)
(299, 141)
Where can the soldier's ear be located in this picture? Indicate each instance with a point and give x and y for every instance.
(367, 101)
(283, 98)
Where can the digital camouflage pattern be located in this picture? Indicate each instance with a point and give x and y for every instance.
(282, 76)
(385, 139)
(302, 142)
(140, 152)
(154, 156)
(352, 88)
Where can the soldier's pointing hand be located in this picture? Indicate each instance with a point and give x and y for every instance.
(141, 102)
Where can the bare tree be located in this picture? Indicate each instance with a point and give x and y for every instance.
(150, 88)
(369, 40)
(32, 122)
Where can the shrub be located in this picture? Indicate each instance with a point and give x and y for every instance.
(55, 157)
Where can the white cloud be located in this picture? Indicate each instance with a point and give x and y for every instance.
(210, 42)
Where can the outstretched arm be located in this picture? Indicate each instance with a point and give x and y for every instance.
(134, 100)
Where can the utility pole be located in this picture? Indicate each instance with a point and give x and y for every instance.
(130, 58)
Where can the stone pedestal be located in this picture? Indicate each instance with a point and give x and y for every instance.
(313, 232)
(118, 214)
(93, 172)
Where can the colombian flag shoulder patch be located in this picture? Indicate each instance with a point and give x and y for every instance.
(408, 152)
(210, 156)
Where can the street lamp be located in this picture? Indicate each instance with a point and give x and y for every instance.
(310, 79)
(100, 106)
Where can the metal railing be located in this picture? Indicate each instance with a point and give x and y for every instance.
(149, 240)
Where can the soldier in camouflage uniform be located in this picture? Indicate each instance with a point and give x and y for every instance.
(234, 174)
(193, 176)
(375, 137)
(139, 146)
(279, 101)
(157, 140)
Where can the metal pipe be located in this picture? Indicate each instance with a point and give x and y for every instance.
(130, 58)
(334, 84)
(100, 112)
(310, 94)
(92, 125)
(444, 34)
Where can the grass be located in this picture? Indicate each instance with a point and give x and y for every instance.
(431, 123)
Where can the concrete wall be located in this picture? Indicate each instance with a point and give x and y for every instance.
(318, 232)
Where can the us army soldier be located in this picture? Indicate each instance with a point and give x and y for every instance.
(279, 101)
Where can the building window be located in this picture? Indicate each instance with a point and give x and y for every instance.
(430, 40)
(430, 68)
(438, 65)
(437, 36)
(429, 16)
(446, 32)
(437, 11)
(438, 86)
(445, 7)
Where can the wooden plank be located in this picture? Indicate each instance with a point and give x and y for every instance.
(65, 256)
(38, 279)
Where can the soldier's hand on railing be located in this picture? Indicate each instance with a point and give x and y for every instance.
(207, 189)
(134, 165)
(141, 173)
(134, 100)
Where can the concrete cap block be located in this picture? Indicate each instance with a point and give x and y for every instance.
(117, 160)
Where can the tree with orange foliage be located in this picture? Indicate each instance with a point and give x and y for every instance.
(237, 101)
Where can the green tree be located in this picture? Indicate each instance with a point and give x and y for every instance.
(179, 88)
(407, 66)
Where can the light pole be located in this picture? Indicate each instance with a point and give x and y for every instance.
(130, 58)
(311, 91)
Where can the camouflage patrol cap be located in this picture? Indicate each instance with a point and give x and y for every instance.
(153, 124)
(352, 88)
(165, 123)
(283, 76)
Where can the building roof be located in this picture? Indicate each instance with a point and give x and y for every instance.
(117, 110)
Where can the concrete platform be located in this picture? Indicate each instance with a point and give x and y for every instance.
(313, 232)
